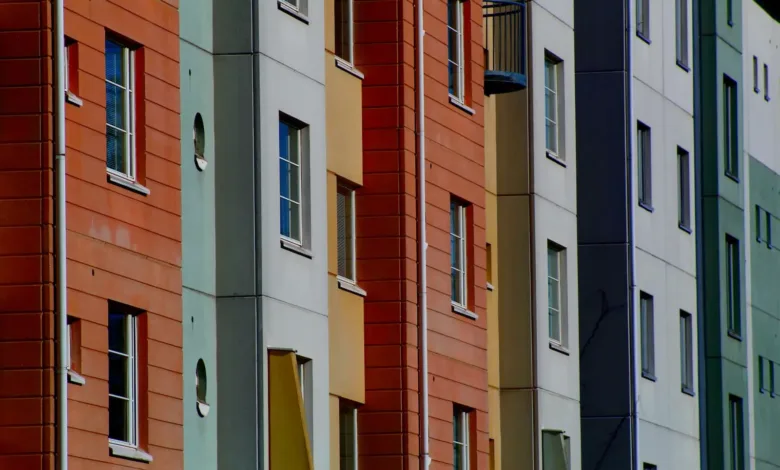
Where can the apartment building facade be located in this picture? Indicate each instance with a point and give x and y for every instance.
(637, 240)
(92, 267)
(531, 183)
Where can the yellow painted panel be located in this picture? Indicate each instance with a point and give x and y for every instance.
(335, 441)
(494, 411)
(288, 439)
(517, 430)
(490, 144)
(330, 25)
(344, 114)
(345, 330)
(491, 236)
(333, 253)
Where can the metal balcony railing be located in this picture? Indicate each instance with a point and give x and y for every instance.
(505, 46)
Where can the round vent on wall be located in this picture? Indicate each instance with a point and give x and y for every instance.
(199, 138)
(201, 388)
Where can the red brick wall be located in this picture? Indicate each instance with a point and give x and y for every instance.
(389, 423)
(122, 246)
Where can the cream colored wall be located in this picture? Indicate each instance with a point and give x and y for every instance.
(344, 122)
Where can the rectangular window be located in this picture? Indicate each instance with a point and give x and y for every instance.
(455, 49)
(766, 82)
(771, 367)
(122, 378)
(344, 30)
(489, 262)
(649, 466)
(684, 188)
(556, 451)
(305, 379)
(730, 12)
(763, 226)
(682, 32)
(761, 383)
(291, 220)
(755, 75)
(348, 437)
(736, 434)
(647, 324)
(730, 127)
(686, 351)
(643, 19)
(644, 165)
(734, 301)
(120, 109)
(460, 438)
(552, 104)
(458, 253)
(345, 221)
(556, 288)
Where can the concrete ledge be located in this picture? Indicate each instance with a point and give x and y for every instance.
(129, 453)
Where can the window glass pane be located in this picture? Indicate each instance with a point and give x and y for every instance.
(115, 105)
(116, 149)
(118, 369)
(115, 67)
(118, 412)
(117, 333)
(347, 438)
(343, 25)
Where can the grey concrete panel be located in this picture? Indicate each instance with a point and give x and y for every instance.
(232, 23)
(235, 176)
(601, 158)
(199, 338)
(605, 330)
(600, 32)
(240, 374)
(195, 23)
(606, 444)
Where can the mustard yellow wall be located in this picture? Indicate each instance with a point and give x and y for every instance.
(335, 443)
(344, 126)
(290, 448)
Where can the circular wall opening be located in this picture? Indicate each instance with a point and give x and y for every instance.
(201, 388)
(199, 140)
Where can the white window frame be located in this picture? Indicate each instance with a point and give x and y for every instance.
(354, 441)
(647, 334)
(350, 258)
(460, 87)
(66, 60)
(132, 377)
(350, 12)
(552, 67)
(299, 164)
(458, 209)
(128, 60)
(294, 4)
(461, 442)
(560, 312)
(68, 346)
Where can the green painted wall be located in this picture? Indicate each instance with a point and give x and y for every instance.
(719, 50)
(765, 272)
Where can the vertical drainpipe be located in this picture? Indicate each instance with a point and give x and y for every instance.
(422, 244)
(61, 236)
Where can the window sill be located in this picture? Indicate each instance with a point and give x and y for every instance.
(489, 286)
(349, 68)
(460, 310)
(767, 99)
(732, 177)
(73, 99)
(295, 248)
(734, 335)
(643, 37)
(129, 453)
(683, 66)
(649, 376)
(756, 90)
(554, 157)
(461, 105)
(350, 286)
(559, 348)
(76, 378)
(685, 229)
(287, 8)
(128, 184)
(646, 207)
(688, 391)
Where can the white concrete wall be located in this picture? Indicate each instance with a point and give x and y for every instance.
(665, 254)
(555, 219)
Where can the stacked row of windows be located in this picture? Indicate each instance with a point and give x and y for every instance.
(681, 28)
(764, 222)
(756, 87)
(766, 376)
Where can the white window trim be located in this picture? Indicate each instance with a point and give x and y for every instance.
(292, 127)
(560, 311)
(66, 60)
(555, 67)
(354, 443)
(294, 4)
(463, 416)
(462, 267)
(128, 59)
(460, 95)
(132, 376)
(350, 195)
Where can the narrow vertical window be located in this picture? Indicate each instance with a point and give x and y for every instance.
(460, 438)
(647, 325)
(552, 105)
(458, 253)
(766, 82)
(122, 378)
(291, 224)
(556, 285)
(489, 267)
(348, 437)
(730, 12)
(120, 110)
(759, 231)
(682, 32)
(455, 48)
(686, 352)
(755, 75)
(684, 189)
(761, 383)
(305, 380)
(644, 166)
(733, 293)
(556, 451)
(344, 30)
(345, 222)
(736, 434)
(730, 127)
(643, 19)
(771, 365)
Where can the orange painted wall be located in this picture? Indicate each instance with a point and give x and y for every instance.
(389, 423)
(122, 246)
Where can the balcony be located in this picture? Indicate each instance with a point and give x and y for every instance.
(505, 44)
